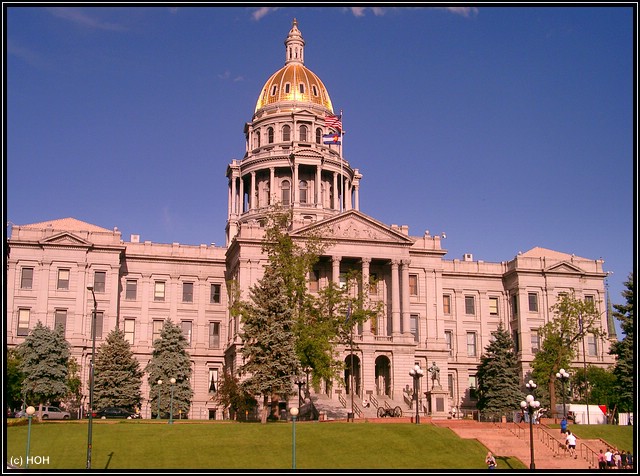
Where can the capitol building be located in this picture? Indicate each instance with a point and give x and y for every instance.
(434, 308)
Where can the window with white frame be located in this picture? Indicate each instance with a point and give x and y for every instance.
(535, 341)
(187, 292)
(448, 338)
(285, 189)
(159, 290)
(214, 335)
(187, 327)
(533, 302)
(26, 278)
(63, 279)
(302, 188)
(213, 380)
(470, 305)
(131, 289)
(592, 345)
(215, 293)
(414, 320)
(493, 306)
(473, 387)
(471, 344)
(23, 321)
(156, 330)
(130, 330)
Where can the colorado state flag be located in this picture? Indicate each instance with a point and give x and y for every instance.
(331, 139)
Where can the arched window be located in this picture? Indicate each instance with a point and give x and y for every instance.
(286, 133)
(303, 191)
(270, 135)
(301, 88)
(318, 135)
(286, 192)
(303, 134)
(256, 139)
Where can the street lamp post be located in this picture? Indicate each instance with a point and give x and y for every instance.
(294, 413)
(530, 405)
(159, 383)
(30, 411)
(173, 382)
(91, 375)
(300, 383)
(563, 375)
(416, 372)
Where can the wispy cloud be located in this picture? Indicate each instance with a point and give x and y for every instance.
(173, 10)
(464, 11)
(79, 17)
(25, 54)
(226, 76)
(259, 13)
(361, 11)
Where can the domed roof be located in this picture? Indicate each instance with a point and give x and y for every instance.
(294, 82)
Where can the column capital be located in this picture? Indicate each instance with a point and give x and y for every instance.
(366, 261)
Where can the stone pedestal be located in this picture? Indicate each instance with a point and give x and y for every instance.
(437, 399)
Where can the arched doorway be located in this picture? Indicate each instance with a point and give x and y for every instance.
(348, 372)
(383, 376)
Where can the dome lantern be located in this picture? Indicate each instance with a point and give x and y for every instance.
(294, 45)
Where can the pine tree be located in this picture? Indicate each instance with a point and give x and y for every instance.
(170, 360)
(624, 369)
(14, 378)
(269, 341)
(498, 375)
(117, 374)
(45, 358)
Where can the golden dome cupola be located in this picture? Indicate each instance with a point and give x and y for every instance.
(294, 82)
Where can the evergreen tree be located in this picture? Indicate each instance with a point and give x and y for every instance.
(117, 374)
(14, 378)
(170, 360)
(624, 369)
(74, 384)
(270, 359)
(45, 359)
(498, 375)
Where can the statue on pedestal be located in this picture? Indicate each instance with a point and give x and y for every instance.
(435, 374)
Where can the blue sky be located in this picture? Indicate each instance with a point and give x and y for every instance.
(505, 127)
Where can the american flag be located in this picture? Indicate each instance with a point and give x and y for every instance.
(334, 121)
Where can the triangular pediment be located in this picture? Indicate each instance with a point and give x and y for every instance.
(564, 268)
(67, 224)
(355, 226)
(65, 238)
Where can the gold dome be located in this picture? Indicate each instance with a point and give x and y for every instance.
(294, 82)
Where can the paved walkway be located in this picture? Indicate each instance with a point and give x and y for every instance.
(510, 439)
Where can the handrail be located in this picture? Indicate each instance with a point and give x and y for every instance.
(357, 410)
(374, 401)
(342, 400)
(587, 453)
(386, 405)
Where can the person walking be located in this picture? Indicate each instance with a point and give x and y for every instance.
(602, 461)
(571, 444)
(490, 460)
(563, 425)
(608, 457)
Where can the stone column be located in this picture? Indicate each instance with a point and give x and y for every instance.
(406, 304)
(335, 271)
(295, 186)
(395, 298)
(272, 185)
(366, 263)
(234, 195)
(241, 197)
(252, 193)
(335, 191)
(357, 197)
(318, 186)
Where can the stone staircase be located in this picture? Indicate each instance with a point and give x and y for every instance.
(512, 439)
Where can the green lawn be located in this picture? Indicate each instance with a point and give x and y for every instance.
(226, 445)
(619, 436)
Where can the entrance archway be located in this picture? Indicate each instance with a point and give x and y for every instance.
(383, 376)
(356, 374)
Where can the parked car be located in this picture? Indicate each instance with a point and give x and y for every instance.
(48, 413)
(115, 412)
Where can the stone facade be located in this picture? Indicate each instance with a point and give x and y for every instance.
(434, 309)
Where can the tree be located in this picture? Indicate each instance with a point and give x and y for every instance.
(74, 384)
(117, 374)
(14, 378)
(170, 360)
(231, 395)
(601, 386)
(45, 359)
(574, 319)
(624, 370)
(269, 354)
(498, 375)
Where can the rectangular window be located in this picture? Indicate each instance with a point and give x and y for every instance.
(23, 321)
(446, 304)
(535, 341)
(314, 277)
(592, 345)
(99, 281)
(26, 281)
(158, 291)
(450, 384)
(99, 324)
(516, 341)
(213, 380)
(157, 330)
(130, 330)
(414, 327)
(63, 279)
(187, 292)
(469, 305)
(448, 338)
(473, 387)
(186, 330)
(471, 344)
(373, 283)
(413, 284)
(215, 293)
(214, 335)
(131, 290)
(533, 302)
(589, 299)
(493, 306)
(61, 319)
(343, 280)
(514, 305)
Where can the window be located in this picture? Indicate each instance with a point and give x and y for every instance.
(413, 319)
(301, 88)
(215, 294)
(303, 134)
(471, 344)
(318, 136)
(373, 283)
(342, 280)
(213, 380)
(23, 321)
(274, 89)
(535, 341)
(99, 324)
(157, 330)
(450, 384)
(314, 278)
(473, 387)
(448, 338)
(286, 192)
(286, 133)
(589, 300)
(131, 289)
(187, 326)
(99, 281)
(187, 292)
(61, 319)
(533, 302)
(130, 330)
(493, 306)
(446, 304)
(270, 135)
(469, 305)
(287, 88)
(592, 345)
(303, 191)
(514, 305)
(516, 341)
(63, 279)
(413, 284)
(214, 335)
(26, 281)
(158, 291)
(256, 140)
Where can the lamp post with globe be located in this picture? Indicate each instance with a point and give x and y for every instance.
(563, 376)
(416, 373)
(530, 405)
